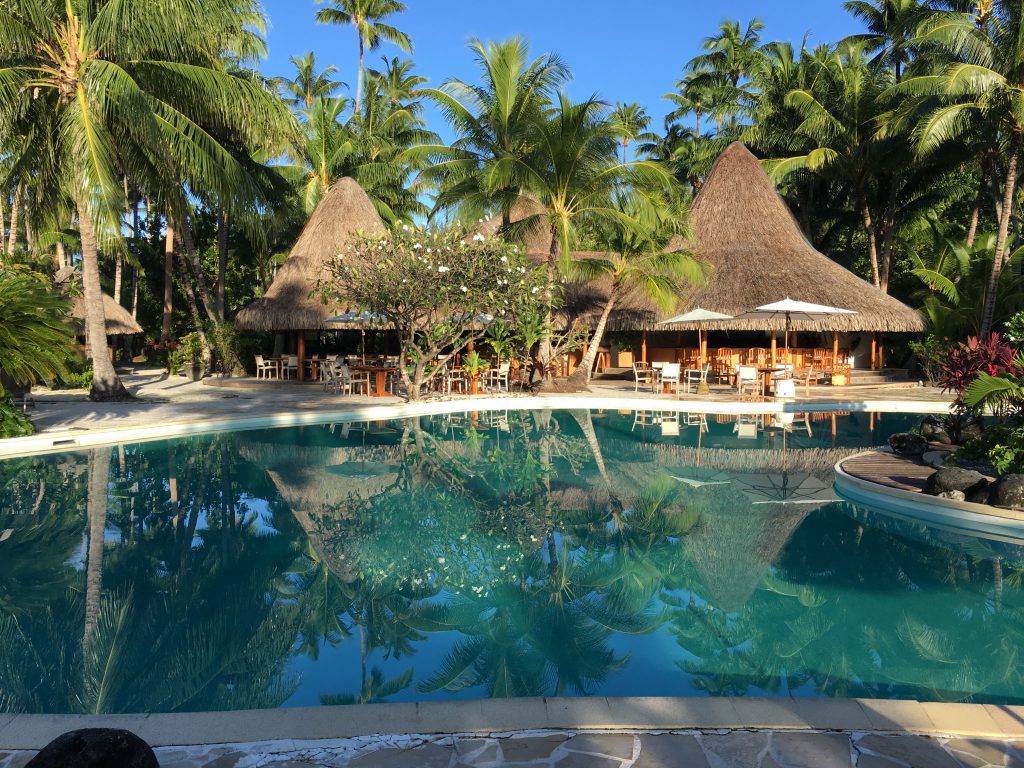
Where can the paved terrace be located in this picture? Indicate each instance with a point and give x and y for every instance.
(567, 733)
(176, 400)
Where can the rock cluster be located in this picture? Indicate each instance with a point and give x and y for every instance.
(96, 748)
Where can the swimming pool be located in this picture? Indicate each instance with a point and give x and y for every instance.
(500, 553)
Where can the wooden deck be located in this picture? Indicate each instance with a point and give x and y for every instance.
(890, 470)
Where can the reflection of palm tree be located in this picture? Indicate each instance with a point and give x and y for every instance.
(96, 508)
(375, 689)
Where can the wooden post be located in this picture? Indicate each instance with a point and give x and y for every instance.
(881, 356)
(300, 350)
(703, 349)
(835, 352)
(643, 347)
(874, 350)
(774, 349)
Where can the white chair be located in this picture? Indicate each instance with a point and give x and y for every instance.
(265, 369)
(669, 424)
(696, 376)
(748, 381)
(642, 374)
(290, 367)
(747, 427)
(497, 378)
(349, 382)
(671, 376)
(785, 389)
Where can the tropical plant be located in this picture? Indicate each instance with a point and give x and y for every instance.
(722, 72)
(35, 338)
(367, 16)
(308, 85)
(979, 87)
(631, 123)
(989, 356)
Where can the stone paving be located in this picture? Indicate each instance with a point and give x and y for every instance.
(176, 400)
(565, 749)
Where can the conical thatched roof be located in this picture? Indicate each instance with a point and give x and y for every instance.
(289, 304)
(743, 228)
(119, 321)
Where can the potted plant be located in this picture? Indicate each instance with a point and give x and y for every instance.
(473, 365)
(190, 355)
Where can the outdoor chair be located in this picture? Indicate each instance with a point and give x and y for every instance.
(747, 427)
(671, 376)
(455, 380)
(748, 382)
(669, 423)
(290, 367)
(642, 374)
(329, 375)
(497, 378)
(696, 376)
(265, 369)
(349, 381)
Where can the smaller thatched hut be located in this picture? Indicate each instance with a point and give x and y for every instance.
(291, 303)
(119, 321)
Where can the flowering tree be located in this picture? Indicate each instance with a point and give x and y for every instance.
(439, 290)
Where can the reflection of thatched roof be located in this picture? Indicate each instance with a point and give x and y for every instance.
(744, 230)
(119, 321)
(735, 542)
(288, 304)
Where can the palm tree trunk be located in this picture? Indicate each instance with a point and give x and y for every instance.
(544, 352)
(96, 511)
(165, 328)
(197, 270)
(3, 220)
(999, 260)
(869, 229)
(118, 277)
(12, 240)
(222, 259)
(105, 382)
(59, 257)
(190, 298)
(581, 375)
(888, 236)
(698, 115)
(972, 229)
(359, 80)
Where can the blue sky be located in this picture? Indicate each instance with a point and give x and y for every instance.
(623, 51)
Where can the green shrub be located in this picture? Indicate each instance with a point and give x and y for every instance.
(1002, 446)
(931, 353)
(13, 423)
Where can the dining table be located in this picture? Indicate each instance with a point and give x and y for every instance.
(378, 378)
(766, 375)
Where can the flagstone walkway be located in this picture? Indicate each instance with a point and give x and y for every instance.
(557, 749)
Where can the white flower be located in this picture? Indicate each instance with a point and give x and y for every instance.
(464, 289)
(416, 247)
(478, 238)
(442, 268)
(504, 258)
(533, 290)
(405, 227)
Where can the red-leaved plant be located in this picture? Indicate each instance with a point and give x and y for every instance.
(993, 356)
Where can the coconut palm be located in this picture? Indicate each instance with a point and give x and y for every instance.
(721, 73)
(638, 262)
(983, 84)
(631, 122)
(367, 16)
(96, 99)
(891, 25)
(308, 84)
(493, 121)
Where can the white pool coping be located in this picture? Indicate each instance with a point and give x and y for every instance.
(493, 716)
(70, 440)
(961, 517)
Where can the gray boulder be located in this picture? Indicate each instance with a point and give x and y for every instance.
(908, 444)
(953, 495)
(96, 748)
(964, 429)
(933, 429)
(967, 481)
(1009, 491)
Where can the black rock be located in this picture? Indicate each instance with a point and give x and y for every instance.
(1009, 491)
(953, 495)
(908, 444)
(933, 429)
(969, 482)
(963, 429)
(96, 748)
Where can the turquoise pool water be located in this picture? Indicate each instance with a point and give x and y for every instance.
(490, 554)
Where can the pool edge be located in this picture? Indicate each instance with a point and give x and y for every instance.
(70, 440)
(32, 732)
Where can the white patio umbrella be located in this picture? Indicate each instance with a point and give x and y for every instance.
(793, 310)
(363, 320)
(700, 316)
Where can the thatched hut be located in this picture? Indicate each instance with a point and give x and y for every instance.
(292, 302)
(119, 321)
(758, 254)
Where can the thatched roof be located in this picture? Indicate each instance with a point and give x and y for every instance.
(289, 303)
(745, 231)
(119, 321)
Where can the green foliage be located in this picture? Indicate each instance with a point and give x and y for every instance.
(932, 352)
(473, 364)
(13, 422)
(1002, 446)
(1013, 329)
(35, 338)
(224, 340)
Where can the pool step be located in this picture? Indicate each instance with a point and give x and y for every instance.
(866, 378)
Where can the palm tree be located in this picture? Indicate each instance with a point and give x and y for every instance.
(493, 121)
(721, 73)
(308, 84)
(399, 86)
(367, 16)
(631, 121)
(34, 334)
(637, 261)
(983, 84)
(573, 174)
(891, 25)
(98, 100)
